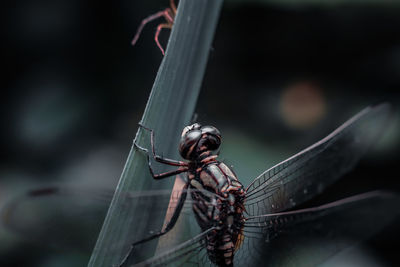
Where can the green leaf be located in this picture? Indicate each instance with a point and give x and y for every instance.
(169, 109)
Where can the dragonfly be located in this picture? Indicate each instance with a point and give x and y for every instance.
(271, 226)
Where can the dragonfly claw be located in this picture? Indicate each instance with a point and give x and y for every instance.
(140, 148)
(144, 127)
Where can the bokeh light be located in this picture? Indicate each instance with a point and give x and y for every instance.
(302, 105)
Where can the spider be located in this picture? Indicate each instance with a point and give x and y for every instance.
(169, 14)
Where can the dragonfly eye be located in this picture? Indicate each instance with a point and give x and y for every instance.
(211, 130)
(211, 136)
(187, 146)
(197, 139)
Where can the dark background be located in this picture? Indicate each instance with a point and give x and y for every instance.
(279, 77)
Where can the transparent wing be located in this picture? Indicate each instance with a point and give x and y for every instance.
(307, 173)
(70, 218)
(50, 216)
(188, 253)
(57, 217)
(308, 237)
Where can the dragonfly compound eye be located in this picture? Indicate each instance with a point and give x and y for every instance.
(211, 130)
(187, 146)
(211, 136)
(197, 139)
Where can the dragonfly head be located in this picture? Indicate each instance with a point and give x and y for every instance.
(197, 139)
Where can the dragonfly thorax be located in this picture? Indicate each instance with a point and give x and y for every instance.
(197, 139)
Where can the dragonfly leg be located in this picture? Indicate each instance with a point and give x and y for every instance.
(166, 174)
(159, 175)
(168, 227)
(156, 157)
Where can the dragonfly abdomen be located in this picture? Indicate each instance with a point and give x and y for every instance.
(222, 209)
(221, 248)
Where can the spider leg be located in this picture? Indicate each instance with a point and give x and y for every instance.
(161, 26)
(173, 6)
(153, 150)
(164, 13)
(168, 227)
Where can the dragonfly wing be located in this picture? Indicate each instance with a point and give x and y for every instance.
(70, 218)
(187, 253)
(308, 237)
(307, 173)
(57, 217)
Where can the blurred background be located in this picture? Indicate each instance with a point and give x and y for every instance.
(281, 75)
